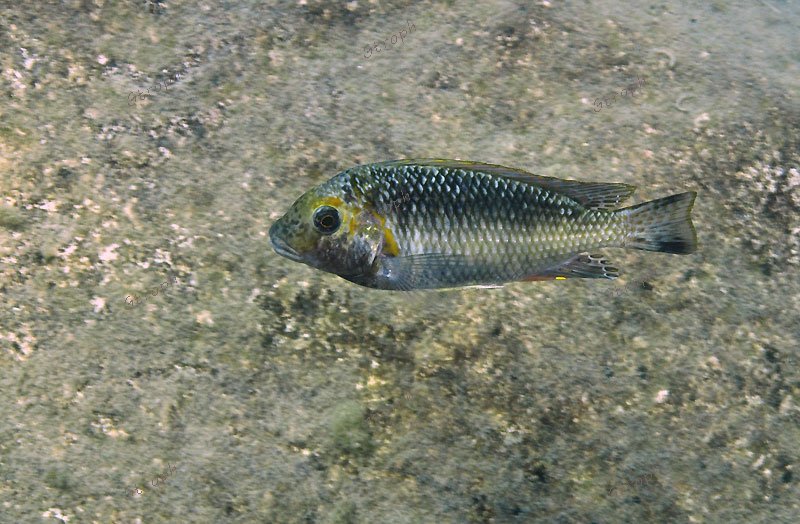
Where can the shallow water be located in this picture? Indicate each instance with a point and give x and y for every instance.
(256, 389)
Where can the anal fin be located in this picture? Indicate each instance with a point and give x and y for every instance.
(582, 265)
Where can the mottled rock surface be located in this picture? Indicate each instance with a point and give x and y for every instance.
(238, 386)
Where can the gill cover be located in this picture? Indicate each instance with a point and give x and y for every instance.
(330, 234)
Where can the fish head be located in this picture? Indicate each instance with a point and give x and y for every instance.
(325, 231)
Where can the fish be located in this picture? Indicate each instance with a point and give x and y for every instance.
(416, 224)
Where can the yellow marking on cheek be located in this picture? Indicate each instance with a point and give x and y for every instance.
(379, 217)
(353, 226)
(561, 278)
(330, 201)
(390, 244)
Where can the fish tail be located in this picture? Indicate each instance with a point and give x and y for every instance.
(662, 225)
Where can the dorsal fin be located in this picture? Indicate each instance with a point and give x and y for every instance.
(591, 195)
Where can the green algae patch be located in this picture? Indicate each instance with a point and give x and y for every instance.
(58, 478)
(343, 513)
(348, 429)
(11, 218)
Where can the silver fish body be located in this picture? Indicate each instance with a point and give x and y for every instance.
(421, 224)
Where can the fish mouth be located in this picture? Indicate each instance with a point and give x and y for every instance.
(283, 249)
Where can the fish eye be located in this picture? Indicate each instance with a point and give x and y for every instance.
(327, 220)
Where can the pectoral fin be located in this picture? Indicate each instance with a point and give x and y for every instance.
(423, 271)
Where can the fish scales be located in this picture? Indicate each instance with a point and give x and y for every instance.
(415, 224)
(508, 228)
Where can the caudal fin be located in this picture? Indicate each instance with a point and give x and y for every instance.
(662, 225)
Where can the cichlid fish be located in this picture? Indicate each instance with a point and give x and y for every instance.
(423, 224)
